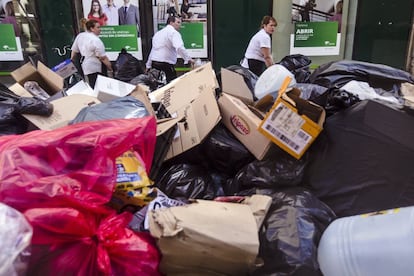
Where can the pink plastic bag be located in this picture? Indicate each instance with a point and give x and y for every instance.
(62, 180)
(68, 242)
(70, 166)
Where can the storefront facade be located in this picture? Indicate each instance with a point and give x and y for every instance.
(372, 31)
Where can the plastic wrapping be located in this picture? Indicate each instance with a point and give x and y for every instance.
(299, 66)
(338, 73)
(291, 232)
(70, 242)
(15, 238)
(119, 108)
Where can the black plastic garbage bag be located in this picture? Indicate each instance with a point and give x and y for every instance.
(223, 152)
(127, 66)
(338, 73)
(12, 106)
(119, 108)
(291, 231)
(185, 181)
(277, 171)
(362, 161)
(299, 66)
(311, 92)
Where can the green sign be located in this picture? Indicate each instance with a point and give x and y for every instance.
(316, 34)
(192, 34)
(117, 37)
(7, 38)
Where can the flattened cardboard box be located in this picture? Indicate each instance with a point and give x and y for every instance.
(64, 110)
(45, 77)
(289, 125)
(191, 97)
(238, 117)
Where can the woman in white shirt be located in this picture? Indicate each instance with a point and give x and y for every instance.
(258, 55)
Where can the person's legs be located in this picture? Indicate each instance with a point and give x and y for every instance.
(167, 68)
(256, 66)
(92, 79)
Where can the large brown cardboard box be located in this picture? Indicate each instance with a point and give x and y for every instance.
(44, 76)
(235, 108)
(243, 120)
(192, 98)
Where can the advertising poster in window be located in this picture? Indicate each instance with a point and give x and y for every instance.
(120, 25)
(10, 47)
(317, 27)
(193, 30)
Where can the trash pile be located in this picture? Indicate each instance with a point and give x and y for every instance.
(210, 174)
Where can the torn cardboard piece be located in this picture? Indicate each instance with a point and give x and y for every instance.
(208, 237)
(191, 97)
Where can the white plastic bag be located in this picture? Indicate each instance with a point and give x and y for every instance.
(15, 237)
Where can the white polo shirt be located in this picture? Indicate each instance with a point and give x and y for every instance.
(167, 44)
(91, 47)
(260, 40)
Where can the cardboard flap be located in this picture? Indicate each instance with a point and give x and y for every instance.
(314, 112)
(54, 81)
(208, 113)
(20, 74)
(234, 84)
(184, 89)
(166, 124)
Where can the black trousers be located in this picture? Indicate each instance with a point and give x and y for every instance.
(167, 68)
(256, 66)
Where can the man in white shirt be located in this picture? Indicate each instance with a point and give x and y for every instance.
(111, 12)
(167, 44)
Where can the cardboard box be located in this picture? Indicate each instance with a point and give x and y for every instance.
(238, 117)
(64, 110)
(108, 89)
(65, 68)
(244, 121)
(293, 123)
(209, 237)
(46, 78)
(191, 97)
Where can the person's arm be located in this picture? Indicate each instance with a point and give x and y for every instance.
(267, 56)
(149, 61)
(178, 44)
(105, 60)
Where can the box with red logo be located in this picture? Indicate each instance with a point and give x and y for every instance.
(239, 116)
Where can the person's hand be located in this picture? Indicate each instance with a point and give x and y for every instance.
(110, 74)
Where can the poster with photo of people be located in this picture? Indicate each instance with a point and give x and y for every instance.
(317, 27)
(120, 25)
(194, 18)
